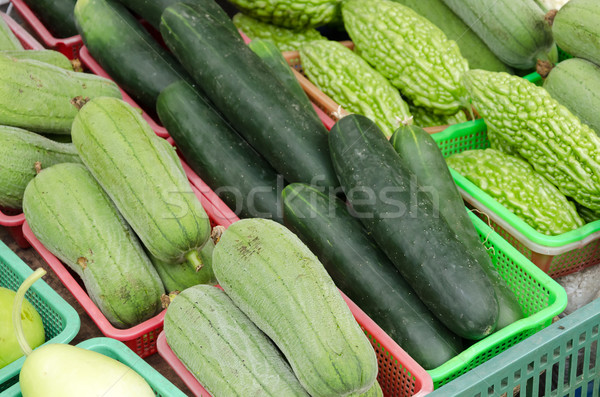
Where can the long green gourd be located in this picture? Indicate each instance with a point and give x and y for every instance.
(515, 31)
(576, 29)
(284, 39)
(350, 81)
(298, 14)
(179, 276)
(56, 15)
(223, 348)
(75, 219)
(514, 184)
(545, 133)
(143, 176)
(575, 83)
(471, 46)
(283, 288)
(410, 51)
(21, 152)
(47, 56)
(422, 155)
(8, 40)
(38, 96)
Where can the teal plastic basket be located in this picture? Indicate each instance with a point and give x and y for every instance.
(561, 360)
(120, 352)
(556, 255)
(540, 298)
(61, 321)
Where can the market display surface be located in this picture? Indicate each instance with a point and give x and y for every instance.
(292, 198)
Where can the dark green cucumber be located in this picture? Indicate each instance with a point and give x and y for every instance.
(471, 46)
(218, 154)
(126, 51)
(179, 276)
(47, 56)
(242, 87)
(56, 15)
(422, 155)
(407, 226)
(363, 272)
(151, 10)
(271, 55)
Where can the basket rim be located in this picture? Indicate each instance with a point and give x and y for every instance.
(515, 226)
(556, 304)
(51, 298)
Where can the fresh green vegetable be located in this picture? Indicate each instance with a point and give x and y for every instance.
(284, 39)
(410, 51)
(514, 184)
(423, 157)
(223, 348)
(21, 150)
(8, 40)
(297, 15)
(33, 327)
(74, 218)
(125, 49)
(424, 117)
(364, 273)
(283, 288)
(374, 391)
(515, 31)
(179, 276)
(143, 176)
(577, 31)
(575, 83)
(471, 46)
(63, 370)
(354, 84)
(587, 214)
(242, 87)
(268, 52)
(545, 133)
(218, 154)
(405, 223)
(56, 15)
(37, 96)
(47, 56)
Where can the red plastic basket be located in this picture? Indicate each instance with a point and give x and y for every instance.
(68, 46)
(12, 219)
(399, 374)
(90, 63)
(142, 337)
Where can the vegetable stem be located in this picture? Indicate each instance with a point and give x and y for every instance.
(194, 258)
(16, 314)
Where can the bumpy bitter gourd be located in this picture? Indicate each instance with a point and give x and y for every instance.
(545, 133)
(409, 50)
(298, 14)
(514, 184)
(285, 39)
(424, 117)
(354, 84)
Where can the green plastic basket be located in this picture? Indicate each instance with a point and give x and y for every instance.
(556, 255)
(61, 321)
(120, 352)
(540, 297)
(561, 360)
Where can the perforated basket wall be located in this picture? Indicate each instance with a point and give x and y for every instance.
(61, 321)
(561, 360)
(556, 255)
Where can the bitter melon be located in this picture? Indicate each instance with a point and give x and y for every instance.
(514, 184)
(424, 117)
(409, 50)
(354, 84)
(284, 39)
(298, 14)
(545, 133)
